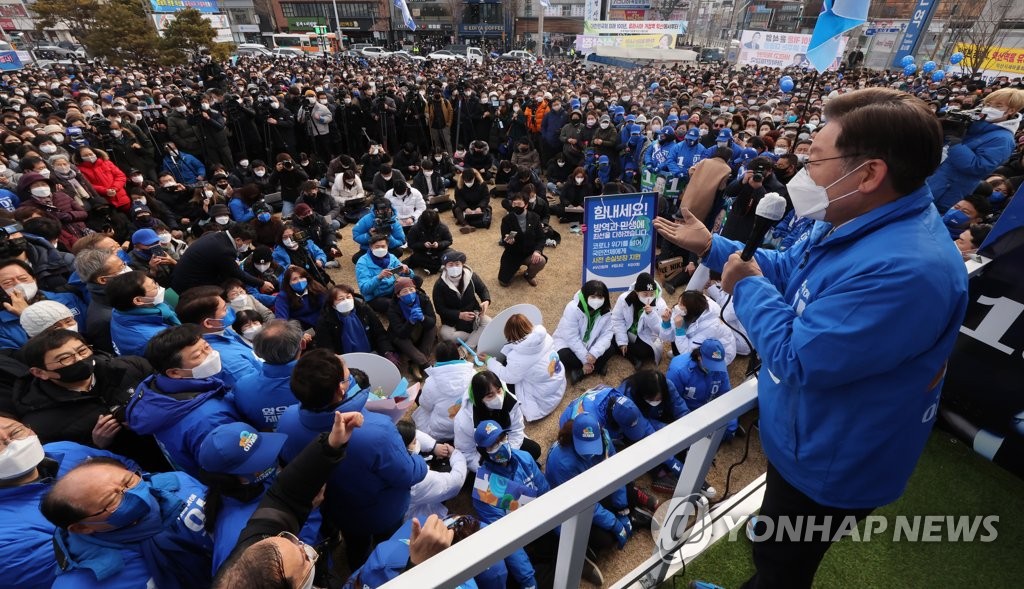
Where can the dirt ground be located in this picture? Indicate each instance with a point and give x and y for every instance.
(559, 281)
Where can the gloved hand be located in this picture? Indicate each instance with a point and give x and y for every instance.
(623, 530)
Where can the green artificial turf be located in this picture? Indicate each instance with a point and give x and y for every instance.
(950, 479)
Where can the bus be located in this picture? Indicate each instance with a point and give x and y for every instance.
(308, 42)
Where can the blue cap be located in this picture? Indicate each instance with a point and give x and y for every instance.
(693, 134)
(667, 131)
(627, 416)
(145, 237)
(238, 449)
(603, 160)
(574, 103)
(488, 433)
(712, 355)
(725, 134)
(748, 153)
(672, 119)
(631, 118)
(586, 435)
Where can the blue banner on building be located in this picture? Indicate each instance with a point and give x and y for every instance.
(915, 29)
(619, 241)
(9, 61)
(205, 6)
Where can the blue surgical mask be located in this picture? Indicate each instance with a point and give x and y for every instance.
(409, 298)
(955, 218)
(229, 319)
(998, 196)
(300, 286)
(263, 217)
(136, 503)
(503, 454)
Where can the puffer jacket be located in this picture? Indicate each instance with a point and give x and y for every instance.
(104, 175)
(449, 300)
(649, 324)
(533, 366)
(441, 398)
(572, 328)
(708, 326)
(983, 148)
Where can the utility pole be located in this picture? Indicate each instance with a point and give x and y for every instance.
(337, 26)
(540, 30)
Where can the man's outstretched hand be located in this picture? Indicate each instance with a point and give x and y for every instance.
(689, 233)
(429, 539)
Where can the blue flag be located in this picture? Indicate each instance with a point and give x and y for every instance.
(406, 15)
(837, 17)
(545, 3)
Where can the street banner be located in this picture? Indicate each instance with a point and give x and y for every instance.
(619, 240)
(781, 50)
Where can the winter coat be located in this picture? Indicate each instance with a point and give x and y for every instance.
(472, 197)
(983, 148)
(368, 492)
(441, 398)
(715, 293)
(131, 330)
(316, 118)
(682, 156)
(182, 132)
(180, 413)
(551, 126)
(263, 396)
(849, 383)
(430, 186)
(708, 179)
(428, 495)
(408, 206)
(572, 328)
(530, 158)
(329, 329)
(307, 313)
(236, 356)
(13, 336)
(380, 185)
(370, 285)
(466, 423)
(343, 194)
(533, 366)
(283, 256)
(452, 297)
(187, 169)
(420, 234)
(691, 335)
(361, 232)
(648, 324)
(400, 328)
(63, 208)
(564, 463)
(535, 115)
(696, 386)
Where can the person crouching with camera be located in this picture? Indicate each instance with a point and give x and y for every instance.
(746, 191)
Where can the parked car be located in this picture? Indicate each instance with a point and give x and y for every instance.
(374, 52)
(408, 56)
(288, 52)
(58, 52)
(471, 55)
(518, 55)
(253, 49)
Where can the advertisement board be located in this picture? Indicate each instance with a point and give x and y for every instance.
(781, 50)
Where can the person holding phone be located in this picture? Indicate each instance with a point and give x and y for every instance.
(522, 236)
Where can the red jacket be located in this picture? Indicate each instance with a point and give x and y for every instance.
(104, 175)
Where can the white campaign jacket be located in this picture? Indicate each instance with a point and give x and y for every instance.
(342, 194)
(573, 325)
(441, 398)
(649, 329)
(707, 326)
(427, 495)
(464, 430)
(411, 206)
(532, 365)
(716, 293)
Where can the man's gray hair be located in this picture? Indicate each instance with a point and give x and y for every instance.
(89, 263)
(279, 341)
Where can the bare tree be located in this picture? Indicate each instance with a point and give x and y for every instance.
(665, 8)
(511, 9)
(979, 31)
(455, 10)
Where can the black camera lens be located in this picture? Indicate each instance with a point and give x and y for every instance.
(758, 177)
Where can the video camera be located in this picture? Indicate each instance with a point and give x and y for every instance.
(761, 171)
(955, 123)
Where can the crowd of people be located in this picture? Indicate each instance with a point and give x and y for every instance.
(173, 393)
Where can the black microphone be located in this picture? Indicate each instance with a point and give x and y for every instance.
(769, 212)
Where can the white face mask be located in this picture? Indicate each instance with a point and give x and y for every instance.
(647, 300)
(781, 151)
(654, 403)
(28, 289)
(137, 179)
(380, 252)
(181, 108)
(159, 297)
(414, 447)
(260, 173)
(165, 238)
(468, 183)
(579, 180)
(240, 302)
(454, 271)
(494, 402)
(20, 457)
(243, 163)
(605, 125)
(262, 267)
(222, 220)
(345, 305)
(595, 302)
(992, 113)
(809, 199)
(45, 173)
(289, 243)
(802, 158)
(250, 332)
(210, 366)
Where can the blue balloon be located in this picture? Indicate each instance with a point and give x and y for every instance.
(910, 69)
(907, 60)
(938, 76)
(786, 84)
(928, 66)
(956, 58)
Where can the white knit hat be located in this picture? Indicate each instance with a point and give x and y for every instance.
(38, 317)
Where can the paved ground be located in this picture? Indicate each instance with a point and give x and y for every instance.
(557, 283)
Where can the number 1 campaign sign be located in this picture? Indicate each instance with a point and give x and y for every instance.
(619, 242)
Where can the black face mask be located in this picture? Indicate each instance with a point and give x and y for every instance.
(78, 371)
(519, 210)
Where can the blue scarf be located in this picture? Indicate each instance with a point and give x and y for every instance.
(382, 263)
(163, 309)
(171, 558)
(411, 311)
(353, 333)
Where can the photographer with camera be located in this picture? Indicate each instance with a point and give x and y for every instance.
(287, 178)
(977, 142)
(213, 129)
(180, 129)
(745, 192)
(129, 150)
(277, 126)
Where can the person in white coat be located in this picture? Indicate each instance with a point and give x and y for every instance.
(442, 393)
(407, 202)
(584, 334)
(428, 495)
(532, 367)
(348, 193)
(488, 398)
(715, 293)
(636, 319)
(694, 319)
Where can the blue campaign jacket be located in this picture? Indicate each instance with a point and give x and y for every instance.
(361, 232)
(698, 387)
(233, 517)
(668, 411)
(237, 359)
(240, 212)
(13, 336)
(389, 558)
(262, 397)
(657, 157)
(368, 492)
(683, 156)
(26, 538)
(490, 507)
(186, 169)
(370, 286)
(189, 569)
(983, 148)
(180, 426)
(854, 329)
(283, 260)
(308, 312)
(130, 331)
(597, 402)
(564, 463)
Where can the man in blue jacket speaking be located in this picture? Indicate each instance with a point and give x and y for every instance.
(853, 325)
